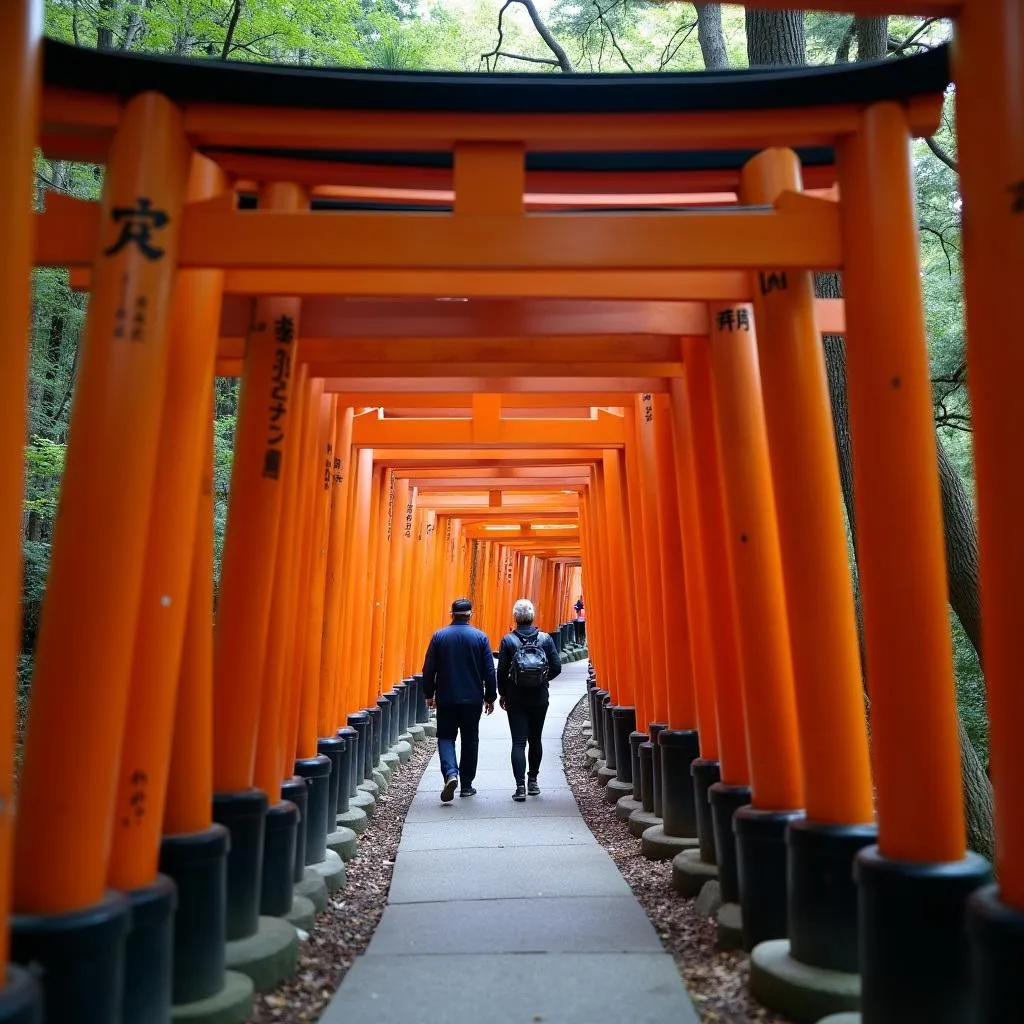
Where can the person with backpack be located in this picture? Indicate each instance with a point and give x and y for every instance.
(527, 661)
(458, 679)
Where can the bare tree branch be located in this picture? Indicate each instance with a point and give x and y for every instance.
(941, 154)
(561, 57)
(843, 50)
(611, 31)
(897, 48)
(667, 55)
(236, 11)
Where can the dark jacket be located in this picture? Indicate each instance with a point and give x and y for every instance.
(459, 667)
(509, 646)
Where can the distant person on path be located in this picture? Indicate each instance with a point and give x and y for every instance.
(579, 606)
(527, 661)
(458, 679)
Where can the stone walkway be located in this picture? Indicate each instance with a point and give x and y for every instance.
(504, 912)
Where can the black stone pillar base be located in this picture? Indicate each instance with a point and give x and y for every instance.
(705, 775)
(277, 885)
(725, 801)
(635, 739)
(333, 748)
(422, 711)
(296, 791)
(385, 727)
(996, 934)
(360, 721)
(623, 723)
(79, 958)
(915, 957)
(645, 783)
(244, 815)
(374, 737)
(823, 926)
(654, 730)
(197, 861)
(679, 748)
(21, 998)
(608, 730)
(597, 719)
(346, 780)
(317, 773)
(761, 860)
(149, 953)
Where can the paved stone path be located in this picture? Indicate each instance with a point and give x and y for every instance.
(507, 913)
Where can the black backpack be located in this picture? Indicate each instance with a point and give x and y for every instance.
(529, 663)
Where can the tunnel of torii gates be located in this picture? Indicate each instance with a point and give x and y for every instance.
(506, 336)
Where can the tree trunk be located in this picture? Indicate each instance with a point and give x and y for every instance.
(709, 33)
(776, 38)
(105, 26)
(872, 37)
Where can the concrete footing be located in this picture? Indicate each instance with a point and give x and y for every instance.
(313, 888)
(380, 780)
(268, 957)
(615, 790)
(403, 750)
(343, 842)
(625, 806)
(730, 926)
(303, 913)
(796, 990)
(430, 728)
(596, 767)
(709, 900)
(364, 801)
(354, 818)
(417, 733)
(640, 821)
(367, 786)
(690, 874)
(392, 760)
(231, 1005)
(331, 869)
(592, 754)
(606, 774)
(841, 1018)
(656, 845)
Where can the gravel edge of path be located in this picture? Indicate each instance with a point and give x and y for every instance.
(344, 929)
(716, 979)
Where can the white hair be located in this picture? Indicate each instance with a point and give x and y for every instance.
(522, 612)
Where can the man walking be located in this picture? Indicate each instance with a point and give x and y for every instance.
(458, 678)
(527, 661)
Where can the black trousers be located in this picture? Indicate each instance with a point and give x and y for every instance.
(526, 724)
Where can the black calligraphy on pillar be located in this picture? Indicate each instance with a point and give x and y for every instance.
(339, 474)
(773, 282)
(327, 467)
(733, 319)
(139, 782)
(138, 223)
(391, 506)
(648, 401)
(408, 520)
(284, 335)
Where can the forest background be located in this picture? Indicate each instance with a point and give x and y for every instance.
(543, 37)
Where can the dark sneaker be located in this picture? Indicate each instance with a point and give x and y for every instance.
(467, 791)
(449, 788)
(532, 788)
(520, 794)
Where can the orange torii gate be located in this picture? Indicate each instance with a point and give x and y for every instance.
(760, 597)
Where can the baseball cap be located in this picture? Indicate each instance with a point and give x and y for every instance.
(462, 606)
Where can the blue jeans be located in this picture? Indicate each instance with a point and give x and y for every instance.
(453, 719)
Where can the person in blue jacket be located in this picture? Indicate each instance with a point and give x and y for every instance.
(459, 680)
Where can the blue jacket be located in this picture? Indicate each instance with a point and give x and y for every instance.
(458, 667)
